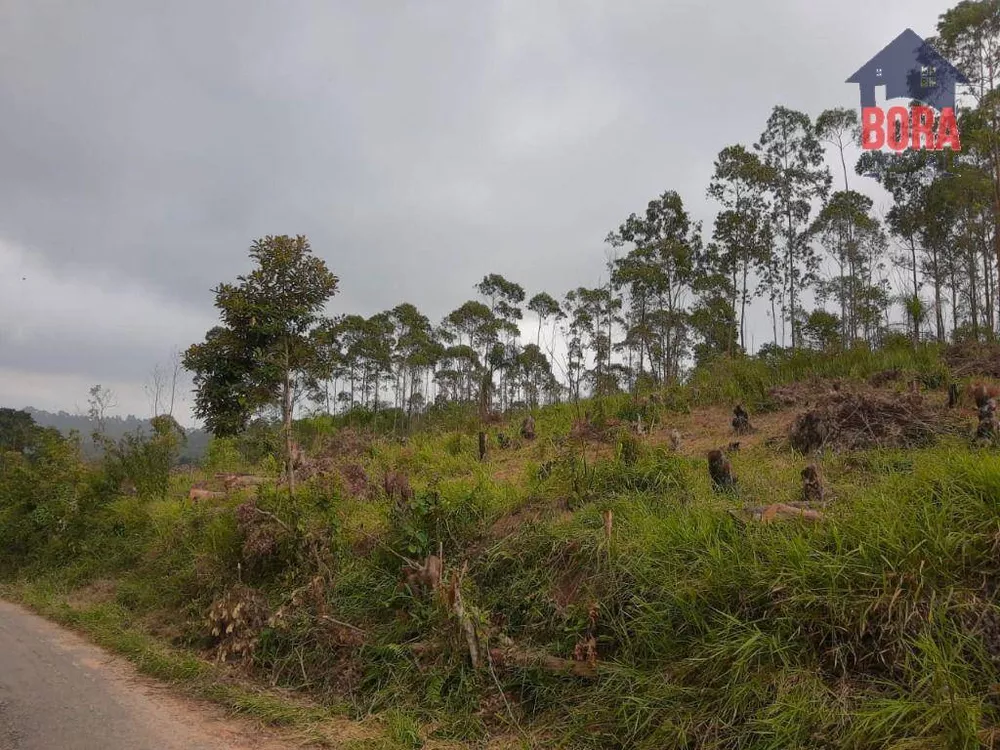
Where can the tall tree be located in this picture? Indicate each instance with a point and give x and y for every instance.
(657, 271)
(475, 326)
(907, 176)
(743, 230)
(591, 313)
(100, 402)
(854, 240)
(263, 347)
(505, 298)
(713, 318)
(416, 350)
(969, 37)
(790, 148)
(545, 307)
(840, 128)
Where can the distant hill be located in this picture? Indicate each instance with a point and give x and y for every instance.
(116, 428)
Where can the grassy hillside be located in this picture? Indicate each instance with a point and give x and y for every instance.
(608, 596)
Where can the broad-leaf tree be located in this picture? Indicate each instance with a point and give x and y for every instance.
(263, 349)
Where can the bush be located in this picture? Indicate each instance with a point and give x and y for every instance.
(46, 501)
(223, 455)
(142, 462)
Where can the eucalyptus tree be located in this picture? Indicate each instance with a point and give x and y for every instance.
(854, 239)
(969, 37)
(546, 307)
(743, 231)
(906, 176)
(713, 318)
(416, 351)
(505, 298)
(840, 128)
(657, 271)
(475, 325)
(790, 148)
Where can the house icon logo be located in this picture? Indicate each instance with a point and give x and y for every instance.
(910, 68)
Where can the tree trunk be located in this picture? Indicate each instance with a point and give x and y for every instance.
(938, 314)
(774, 319)
(843, 164)
(286, 418)
(743, 312)
(842, 291)
(791, 278)
(954, 301)
(916, 293)
(987, 289)
(973, 295)
(996, 207)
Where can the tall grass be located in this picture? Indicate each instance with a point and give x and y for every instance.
(875, 628)
(748, 379)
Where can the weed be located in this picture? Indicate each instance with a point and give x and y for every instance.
(876, 627)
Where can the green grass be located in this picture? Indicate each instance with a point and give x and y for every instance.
(876, 628)
(748, 379)
(116, 629)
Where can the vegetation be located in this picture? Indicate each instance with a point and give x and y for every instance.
(831, 273)
(613, 598)
(480, 540)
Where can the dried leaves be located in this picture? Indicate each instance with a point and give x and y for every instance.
(235, 621)
(262, 531)
(855, 421)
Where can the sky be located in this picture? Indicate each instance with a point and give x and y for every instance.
(419, 145)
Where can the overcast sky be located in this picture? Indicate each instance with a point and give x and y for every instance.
(419, 145)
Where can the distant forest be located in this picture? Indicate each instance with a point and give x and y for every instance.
(115, 428)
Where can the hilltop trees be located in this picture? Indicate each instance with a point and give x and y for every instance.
(265, 347)
(840, 128)
(416, 352)
(100, 401)
(969, 36)
(854, 240)
(546, 308)
(656, 273)
(18, 431)
(502, 350)
(743, 229)
(781, 241)
(791, 150)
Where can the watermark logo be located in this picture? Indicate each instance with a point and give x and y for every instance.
(909, 67)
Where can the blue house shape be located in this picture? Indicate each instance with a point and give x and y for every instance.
(909, 67)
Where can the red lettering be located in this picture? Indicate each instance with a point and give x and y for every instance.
(947, 131)
(897, 128)
(921, 124)
(872, 132)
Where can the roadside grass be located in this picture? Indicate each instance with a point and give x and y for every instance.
(877, 627)
(871, 627)
(116, 629)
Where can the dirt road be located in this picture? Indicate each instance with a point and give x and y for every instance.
(57, 692)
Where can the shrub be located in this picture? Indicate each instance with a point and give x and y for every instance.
(46, 500)
(223, 455)
(143, 461)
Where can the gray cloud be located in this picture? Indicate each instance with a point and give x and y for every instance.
(419, 145)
